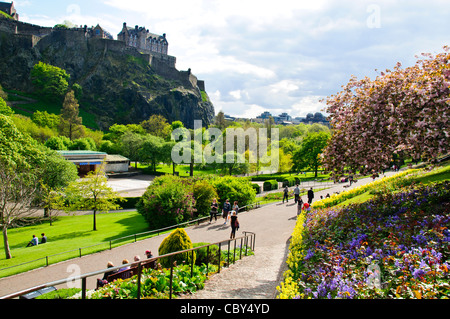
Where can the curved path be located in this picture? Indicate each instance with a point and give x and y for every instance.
(252, 277)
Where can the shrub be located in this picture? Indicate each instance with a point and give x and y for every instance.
(203, 193)
(167, 201)
(235, 189)
(177, 240)
(289, 181)
(203, 257)
(270, 185)
(257, 188)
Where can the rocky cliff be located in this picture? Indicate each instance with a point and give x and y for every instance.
(120, 85)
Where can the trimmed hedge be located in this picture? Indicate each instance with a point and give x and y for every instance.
(290, 181)
(257, 188)
(270, 185)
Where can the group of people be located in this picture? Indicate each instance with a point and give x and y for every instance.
(229, 213)
(137, 258)
(34, 241)
(297, 194)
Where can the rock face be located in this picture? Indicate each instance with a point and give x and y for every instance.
(120, 84)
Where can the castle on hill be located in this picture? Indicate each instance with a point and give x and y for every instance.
(137, 41)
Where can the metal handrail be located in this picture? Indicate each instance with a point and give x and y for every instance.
(247, 235)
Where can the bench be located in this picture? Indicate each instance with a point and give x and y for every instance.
(127, 273)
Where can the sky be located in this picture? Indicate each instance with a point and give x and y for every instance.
(277, 56)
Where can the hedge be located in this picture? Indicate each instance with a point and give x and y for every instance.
(257, 188)
(270, 185)
(290, 181)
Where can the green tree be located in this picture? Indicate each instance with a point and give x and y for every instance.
(70, 119)
(167, 201)
(4, 108)
(157, 125)
(21, 162)
(46, 119)
(92, 193)
(308, 155)
(50, 81)
(152, 150)
(58, 143)
(131, 144)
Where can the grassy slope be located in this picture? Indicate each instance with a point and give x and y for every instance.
(68, 233)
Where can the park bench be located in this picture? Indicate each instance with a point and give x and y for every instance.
(127, 273)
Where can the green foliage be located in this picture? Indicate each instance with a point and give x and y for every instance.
(58, 143)
(45, 119)
(205, 257)
(84, 143)
(235, 189)
(50, 81)
(203, 193)
(270, 185)
(155, 284)
(60, 294)
(167, 201)
(290, 181)
(4, 108)
(92, 193)
(308, 156)
(70, 120)
(178, 240)
(27, 126)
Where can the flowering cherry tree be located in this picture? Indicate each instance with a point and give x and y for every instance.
(403, 111)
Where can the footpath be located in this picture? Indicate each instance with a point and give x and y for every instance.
(253, 277)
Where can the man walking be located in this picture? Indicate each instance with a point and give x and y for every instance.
(286, 194)
(310, 196)
(296, 193)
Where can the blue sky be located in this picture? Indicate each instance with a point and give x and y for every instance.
(277, 56)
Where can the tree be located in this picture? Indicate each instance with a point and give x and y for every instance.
(21, 162)
(157, 125)
(4, 108)
(70, 119)
(50, 81)
(92, 193)
(152, 150)
(130, 145)
(220, 121)
(308, 155)
(403, 111)
(46, 119)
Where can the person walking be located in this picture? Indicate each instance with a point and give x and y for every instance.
(235, 207)
(213, 211)
(299, 206)
(296, 193)
(310, 196)
(234, 224)
(286, 194)
(226, 210)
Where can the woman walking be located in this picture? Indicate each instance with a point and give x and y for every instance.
(234, 224)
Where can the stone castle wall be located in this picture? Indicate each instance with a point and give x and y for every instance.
(163, 64)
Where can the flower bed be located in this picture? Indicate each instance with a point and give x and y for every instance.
(383, 182)
(393, 246)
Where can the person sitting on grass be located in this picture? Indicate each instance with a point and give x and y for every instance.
(33, 241)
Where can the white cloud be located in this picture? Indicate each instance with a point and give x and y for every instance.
(284, 55)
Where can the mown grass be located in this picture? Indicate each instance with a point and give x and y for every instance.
(68, 234)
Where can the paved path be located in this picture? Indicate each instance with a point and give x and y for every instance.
(252, 277)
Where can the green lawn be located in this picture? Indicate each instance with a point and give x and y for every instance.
(68, 233)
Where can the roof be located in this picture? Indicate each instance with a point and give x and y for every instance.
(116, 158)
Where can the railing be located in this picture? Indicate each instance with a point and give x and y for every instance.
(247, 241)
